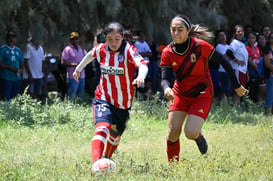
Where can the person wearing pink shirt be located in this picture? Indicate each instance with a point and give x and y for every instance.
(71, 57)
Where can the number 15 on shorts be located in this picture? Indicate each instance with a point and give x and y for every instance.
(101, 107)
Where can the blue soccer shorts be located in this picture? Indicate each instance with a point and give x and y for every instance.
(106, 112)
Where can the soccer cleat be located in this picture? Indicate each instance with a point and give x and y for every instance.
(202, 144)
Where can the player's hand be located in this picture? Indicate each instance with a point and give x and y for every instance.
(14, 69)
(138, 82)
(241, 91)
(76, 75)
(241, 62)
(30, 78)
(168, 93)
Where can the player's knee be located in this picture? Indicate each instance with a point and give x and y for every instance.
(191, 134)
(174, 130)
(114, 131)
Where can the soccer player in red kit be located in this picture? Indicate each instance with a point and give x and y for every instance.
(191, 95)
(115, 92)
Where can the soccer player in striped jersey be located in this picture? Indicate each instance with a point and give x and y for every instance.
(115, 92)
(192, 93)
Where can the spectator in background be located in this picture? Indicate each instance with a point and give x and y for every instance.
(128, 36)
(71, 57)
(100, 39)
(238, 55)
(144, 50)
(261, 43)
(266, 30)
(90, 70)
(213, 69)
(153, 66)
(11, 65)
(221, 47)
(247, 29)
(34, 67)
(253, 61)
(143, 47)
(93, 70)
(161, 48)
(268, 63)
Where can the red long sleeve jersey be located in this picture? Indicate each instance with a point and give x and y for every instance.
(190, 67)
(117, 73)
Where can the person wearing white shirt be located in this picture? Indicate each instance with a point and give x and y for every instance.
(222, 47)
(238, 55)
(34, 68)
(143, 47)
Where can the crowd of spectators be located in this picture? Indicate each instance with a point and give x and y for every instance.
(248, 50)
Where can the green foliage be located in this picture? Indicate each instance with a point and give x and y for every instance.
(53, 20)
(32, 113)
(247, 113)
(154, 108)
(51, 141)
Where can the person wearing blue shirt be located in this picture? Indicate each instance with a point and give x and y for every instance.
(11, 64)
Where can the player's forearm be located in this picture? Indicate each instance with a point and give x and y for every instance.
(218, 58)
(166, 76)
(69, 64)
(9, 67)
(27, 68)
(86, 60)
(142, 71)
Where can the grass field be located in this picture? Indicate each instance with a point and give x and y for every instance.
(52, 141)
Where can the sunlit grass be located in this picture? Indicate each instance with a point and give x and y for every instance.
(52, 141)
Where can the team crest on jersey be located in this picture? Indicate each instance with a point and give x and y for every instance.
(193, 58)
(121, 58)
(174, 64)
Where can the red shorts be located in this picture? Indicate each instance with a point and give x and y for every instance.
(199, 106)
(241, 77)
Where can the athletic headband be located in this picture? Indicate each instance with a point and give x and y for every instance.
(183, 20)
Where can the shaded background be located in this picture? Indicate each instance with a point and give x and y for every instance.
(52, 20)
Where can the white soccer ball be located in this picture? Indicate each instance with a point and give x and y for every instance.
(102, 166)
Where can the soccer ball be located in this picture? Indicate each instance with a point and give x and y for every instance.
(102, 166)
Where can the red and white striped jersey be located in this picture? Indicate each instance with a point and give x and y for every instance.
(117, 73)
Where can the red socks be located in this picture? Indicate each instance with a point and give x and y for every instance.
(200, 134)
(173, 150)
(99, 139)
(112, 145)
